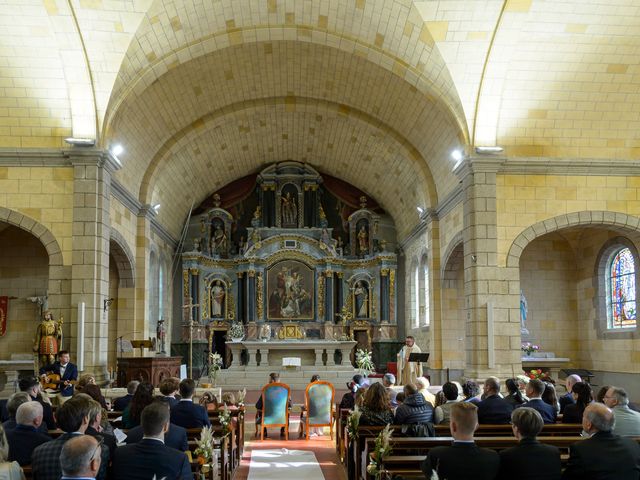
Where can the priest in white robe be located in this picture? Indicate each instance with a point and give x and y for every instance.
(408, 372)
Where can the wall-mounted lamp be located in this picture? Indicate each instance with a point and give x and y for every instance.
(106, 303)
(474, 259)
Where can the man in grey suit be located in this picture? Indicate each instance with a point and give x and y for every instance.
(627, 421)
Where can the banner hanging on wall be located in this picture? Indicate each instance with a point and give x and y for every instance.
(4, 307)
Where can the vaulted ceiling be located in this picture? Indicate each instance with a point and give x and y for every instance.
(375, 92)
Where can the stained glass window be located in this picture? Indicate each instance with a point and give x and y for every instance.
(622, 290)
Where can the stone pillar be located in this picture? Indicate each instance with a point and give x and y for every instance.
(328, 296)
(384, 295)
(251, 296)
(241, 298)
(90, 258)
(436, 360)
(493, 326)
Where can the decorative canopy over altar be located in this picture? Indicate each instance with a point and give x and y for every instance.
(289, 250)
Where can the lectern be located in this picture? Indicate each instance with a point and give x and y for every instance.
(147, 369)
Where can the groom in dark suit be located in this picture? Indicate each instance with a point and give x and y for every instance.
(150, 456)
(186, 414)
(464, 456)
(67, 371)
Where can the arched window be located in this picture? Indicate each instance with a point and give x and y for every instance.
(425, 295)
(416, 296)
(161, 291)
(621, 290)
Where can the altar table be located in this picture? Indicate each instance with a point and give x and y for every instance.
(272, 352)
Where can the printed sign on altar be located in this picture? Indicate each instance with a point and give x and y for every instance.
(4, 307)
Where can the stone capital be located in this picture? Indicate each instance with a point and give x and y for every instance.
(478, 164)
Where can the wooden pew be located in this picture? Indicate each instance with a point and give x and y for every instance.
(408, 464)
(355, 449)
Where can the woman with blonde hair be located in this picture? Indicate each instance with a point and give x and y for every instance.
(423, 387)
(8, 470)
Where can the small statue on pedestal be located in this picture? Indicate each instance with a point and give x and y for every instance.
(161, 334)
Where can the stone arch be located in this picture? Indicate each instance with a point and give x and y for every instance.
(212, 118)
(452, 255)
(598, 218)
(124, 258)
(38, 230)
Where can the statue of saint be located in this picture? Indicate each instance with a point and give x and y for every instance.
(217, 299)
(48, 339)
(363, 241)
(161, 334)
(523, 313)
(361, 300)
(289, 210)
(219, 242)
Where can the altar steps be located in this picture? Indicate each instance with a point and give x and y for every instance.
(253, 378)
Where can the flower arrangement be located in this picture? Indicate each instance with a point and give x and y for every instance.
(215, 364)
(529, 348)
(240, 397)
(538, 374)
(225, 419)
(381, 450)
(205, 446)
(364, 361)
(236, 330)
(353, 422)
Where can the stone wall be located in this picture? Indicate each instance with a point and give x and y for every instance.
(548, 278)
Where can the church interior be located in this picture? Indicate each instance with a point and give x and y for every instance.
(319, 178)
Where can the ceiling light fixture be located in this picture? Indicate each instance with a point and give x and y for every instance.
(80, 142)
(156, 207)
(420, 210)
(117, 149)
(456, 155)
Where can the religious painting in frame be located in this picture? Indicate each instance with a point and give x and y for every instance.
(290, 290)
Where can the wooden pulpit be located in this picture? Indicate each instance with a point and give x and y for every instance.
(147, 369)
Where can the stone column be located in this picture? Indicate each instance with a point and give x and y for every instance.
(319, 362)
(435, 290)
(328, 296)
(493, 325)
(251, 296)
(90, 258)
(384, 295)
(240, 299)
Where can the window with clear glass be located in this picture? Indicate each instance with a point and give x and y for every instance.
(621, 290)
(416, 296)
(425, 296)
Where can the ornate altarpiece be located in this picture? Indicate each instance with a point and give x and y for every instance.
(291, 251)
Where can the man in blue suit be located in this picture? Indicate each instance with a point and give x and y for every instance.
(68, 372)
(534, 390)
(150, 456)
(25, 437)
(185, 414)
(494, 409)
(176, 437)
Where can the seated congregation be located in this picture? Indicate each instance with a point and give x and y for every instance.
(148, 435)
(453, 432)
(459, 433)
